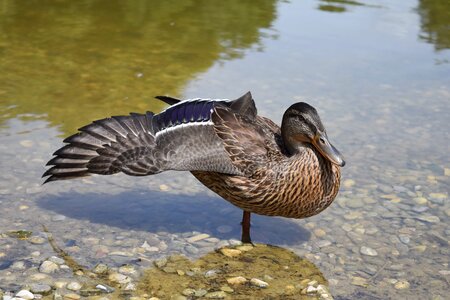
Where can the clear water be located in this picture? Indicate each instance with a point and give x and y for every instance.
(377, 71)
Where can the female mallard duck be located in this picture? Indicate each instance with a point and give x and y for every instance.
(292, 171)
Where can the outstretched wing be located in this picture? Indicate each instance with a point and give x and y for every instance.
(180, 138)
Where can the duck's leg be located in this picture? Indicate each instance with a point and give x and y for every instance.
(246, 227)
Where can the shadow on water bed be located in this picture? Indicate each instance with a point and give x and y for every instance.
(155, 211)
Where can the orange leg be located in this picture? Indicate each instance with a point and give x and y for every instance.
(246, 227)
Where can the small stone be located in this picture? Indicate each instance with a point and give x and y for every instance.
(37, 240)
(311, 289)
(160, 263)
(429, 219)
(354, 203)
(359, 281)
(23, 207)
(438, 196)
(230, 252)
(323, 243)
(72, 296)
(130, 287)
(24, 294)
(18, 265)
(127, 269)
(319, 232)
(421, 200)
(224, 229)
(216, 295)
(40, 288)
(26, 143)
(58, 218)
(105, 288)
(164, 187)
(188, 292)
(259, 283)
(200, 293)
(100, 269)
(191, 249)
(212, 273)
(90, 292)
(226, 289)
(419, 208)
(405, 239)
(234, 242)
(48, 267)
(348, 183)
(401, 285)
(447, 171)
(236, 280)
(73, 286)
(447, 212)
(149, 248)
(368, 251)
(56, 260)
(119, 278)
(197, 238)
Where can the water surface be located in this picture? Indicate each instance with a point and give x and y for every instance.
(377, 71)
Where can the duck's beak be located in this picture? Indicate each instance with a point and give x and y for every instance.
(324, 146)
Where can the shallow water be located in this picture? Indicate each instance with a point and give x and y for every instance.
(378, 73)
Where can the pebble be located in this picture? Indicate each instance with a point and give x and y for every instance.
(216, 295)
(319, 232)
(119, 278)
(56, 260)
(149, 248)
(26, 143)
(127, 269)
(40, 288)
(401, 285)
(429, 219)
(245, 248)
(230, 252)
(419, 209)
(73, 286)
(188, 292)
(200, 292)
(100, 269)
(160, 263)
(348, 183)
(354, 203)
(323, 243)
(72, 296)
(224, 229)
(226, 289)
(105, 288)
(58, 218)
(368, 251)
(212, 273)
(197, 238)
(24, 294)
(48, 267)
(237, 280)
(404, 238)
(164, 187)
(191, 249)
(421, 200)
(259, 283)
(37, 240)
(359, 281)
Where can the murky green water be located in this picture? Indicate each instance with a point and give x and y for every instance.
(377, 71)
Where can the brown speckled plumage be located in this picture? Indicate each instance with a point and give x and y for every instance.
(291, 171)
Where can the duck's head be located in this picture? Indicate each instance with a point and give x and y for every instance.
(301, 125)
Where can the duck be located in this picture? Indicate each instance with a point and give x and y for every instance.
(290, 171)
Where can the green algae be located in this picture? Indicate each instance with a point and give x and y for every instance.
(286, 273)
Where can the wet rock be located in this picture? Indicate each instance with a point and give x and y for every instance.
(73, 286)
(37, 240)
(245, 248)
(119, 278)
(188, 292)
(71, 296)
(359, 281)
(405, 239)
(237, 280)
(197, 238)
(323, 243)
(429, 219)
(419, 209)
(402, 284)
(230, 252)
(40, 288)
(127, 269)
(191, 249)
(216, 295)
(90, 292)
(259, 283)
(226, 289)
(48, 267)
(368, 251)
(319, 232)
(100, 269)
(212, 273)
(200, 292)
(348, 183)
(58, 218)
(56, 260)
(24, 294)
(160, 263)
(105, 288)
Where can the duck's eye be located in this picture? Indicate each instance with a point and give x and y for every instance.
(322, 140)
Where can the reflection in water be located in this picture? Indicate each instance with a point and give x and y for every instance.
(337, 5)
(159, 211)
(232, 271)
(74, 62)
(435, 22)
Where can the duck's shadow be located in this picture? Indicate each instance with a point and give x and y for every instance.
(159, 211)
